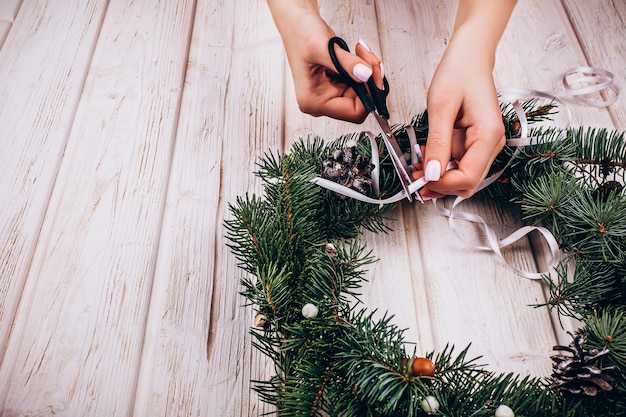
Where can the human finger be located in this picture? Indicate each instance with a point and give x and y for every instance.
(441, 119)
(471, 170)
(356, 67)
(347, 108)
(364, 51)
(330, 95)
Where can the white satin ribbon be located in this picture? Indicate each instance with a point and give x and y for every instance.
(597, 80)
(493, 244)
(594, 80)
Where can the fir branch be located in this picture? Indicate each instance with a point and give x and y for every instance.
(335, 276)
(607, 330)
(590, 287)
(547, 199)
(251, 220)
(596, 145)
(596, 227)
(371, 358)
(534, 114)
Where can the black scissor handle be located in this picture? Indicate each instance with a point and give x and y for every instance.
(375, 98)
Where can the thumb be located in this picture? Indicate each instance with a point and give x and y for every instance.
(439, 143)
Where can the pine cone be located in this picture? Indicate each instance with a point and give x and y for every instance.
(577, 370)
(347, 167)
(607, 187)
(607, 166)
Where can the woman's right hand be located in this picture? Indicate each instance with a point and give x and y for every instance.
(319, 91)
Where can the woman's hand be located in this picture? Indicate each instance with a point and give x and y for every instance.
(319, 91)
(464, 117)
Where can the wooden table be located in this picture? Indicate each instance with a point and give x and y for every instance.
(126, 128)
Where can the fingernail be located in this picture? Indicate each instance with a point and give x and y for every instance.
(425, 199)
(364, 45)
(362, 72)
(433, 171)
(382, 70)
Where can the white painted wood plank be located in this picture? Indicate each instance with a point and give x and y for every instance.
(41, 76)
(600, 27)
(410, 58)
(474, 298)
(91, 277)
(198, 358)
(93, 260)
(410, 34)
(413, 36)
(4, 31)
(8, 9)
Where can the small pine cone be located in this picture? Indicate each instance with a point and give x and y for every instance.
(607, 187)
(338, 155)
(577, 370)
(350, 169)
(607, 166)
(349, 155)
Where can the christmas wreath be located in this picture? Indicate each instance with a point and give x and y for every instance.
(300, 247)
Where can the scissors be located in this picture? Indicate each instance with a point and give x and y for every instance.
(375, 102)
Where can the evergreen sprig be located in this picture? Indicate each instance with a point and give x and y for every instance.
(580, 288)
(299, 244)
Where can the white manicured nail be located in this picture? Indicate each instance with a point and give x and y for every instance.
(382, 70)
(433, 171)
(362, 72)
(364, 45)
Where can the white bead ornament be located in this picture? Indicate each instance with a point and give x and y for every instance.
(430, 405)
(331, 249)
(504, 411)
(309, 311)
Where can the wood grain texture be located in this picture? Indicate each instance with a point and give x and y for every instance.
(198, 358)
(81, 323)
(4, 31)
(408, 71)
(389, 286)
(475, 298)
(43, 65)
(9, 9)
(540, 61)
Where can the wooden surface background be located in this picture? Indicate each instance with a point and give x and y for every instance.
(126, 128)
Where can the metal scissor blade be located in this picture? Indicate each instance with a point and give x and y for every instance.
(397, 157)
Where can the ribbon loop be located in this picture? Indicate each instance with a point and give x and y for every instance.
(493, 244)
